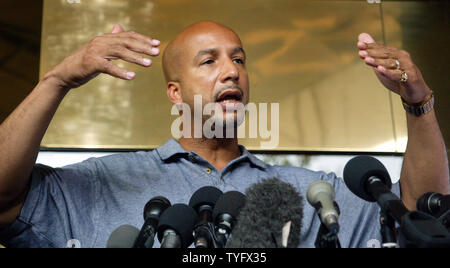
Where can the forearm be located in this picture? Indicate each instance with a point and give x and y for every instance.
(20, 137)
(425, 165)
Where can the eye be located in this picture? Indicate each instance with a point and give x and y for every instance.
(239, 60)
(209, 61)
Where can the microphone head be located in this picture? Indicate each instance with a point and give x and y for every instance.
(207, 195)
(180, 218)
(155, 207)
(319, 187)
(358, 171)
(123, 237)
(271, 205)
(229, 203)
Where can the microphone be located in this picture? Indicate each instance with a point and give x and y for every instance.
(175, 226)
(367, 178)
(123, 237)
(271, 218)
(225, 213)
(152, 211)
(435, 204)
(321, 196)
(203, 202)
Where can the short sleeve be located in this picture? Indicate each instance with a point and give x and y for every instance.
(60, 208)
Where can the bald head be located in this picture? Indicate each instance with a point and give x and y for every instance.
(175, 54)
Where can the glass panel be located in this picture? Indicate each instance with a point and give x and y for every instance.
(301, 54)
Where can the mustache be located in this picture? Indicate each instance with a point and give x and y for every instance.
(231, 86)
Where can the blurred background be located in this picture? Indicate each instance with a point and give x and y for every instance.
(301, 54)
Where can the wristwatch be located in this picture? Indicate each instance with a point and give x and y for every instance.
(419, 110)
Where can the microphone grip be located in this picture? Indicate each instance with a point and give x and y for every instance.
(388, 234)
(388, 202)
(203, 236)
(170, 240)
(221, 238)
(146, 237)
(332, 224)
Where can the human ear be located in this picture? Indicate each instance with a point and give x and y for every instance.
(174, 92)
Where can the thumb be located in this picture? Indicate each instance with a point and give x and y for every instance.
(366, 38)
(117, 29)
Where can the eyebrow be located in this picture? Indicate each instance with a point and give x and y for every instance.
(213, 51)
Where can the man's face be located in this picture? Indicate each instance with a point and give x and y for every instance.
(214, 67)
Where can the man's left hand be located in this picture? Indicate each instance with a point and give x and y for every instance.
(389, 63)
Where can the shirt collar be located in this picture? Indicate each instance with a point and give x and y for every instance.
(172, 149)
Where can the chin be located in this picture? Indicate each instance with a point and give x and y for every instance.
(233, 119)
(226, 124)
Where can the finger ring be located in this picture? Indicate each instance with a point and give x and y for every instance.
(404, 77)
(397, 64)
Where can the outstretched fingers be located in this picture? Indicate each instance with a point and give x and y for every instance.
(128, 46)
(110, 68)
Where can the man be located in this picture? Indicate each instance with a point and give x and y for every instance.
(45, 207)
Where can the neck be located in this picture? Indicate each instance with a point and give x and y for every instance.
(218, 152)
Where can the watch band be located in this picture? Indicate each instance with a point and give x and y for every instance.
(419, 110)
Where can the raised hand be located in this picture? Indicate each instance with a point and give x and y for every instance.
(96, 57)
(395, 69)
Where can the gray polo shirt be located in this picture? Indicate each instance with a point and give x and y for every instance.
(82, 204)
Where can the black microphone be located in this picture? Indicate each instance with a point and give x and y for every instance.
(152, 211)
(271, 217)
(176, 225)
(225, 214)
(435, 204)
(203, 202)
(123, 237)
(367, 178)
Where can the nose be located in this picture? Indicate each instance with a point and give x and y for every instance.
(230, 72)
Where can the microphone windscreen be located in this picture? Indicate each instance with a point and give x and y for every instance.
(155, 206)
(229, 203)
(359, 169)
(123, 237)
(180, 218)
(207, 195)
(271, 204)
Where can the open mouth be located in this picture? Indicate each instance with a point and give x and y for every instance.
(229, 96)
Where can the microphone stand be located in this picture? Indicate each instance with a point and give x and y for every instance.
(444, 219)
(209, 237)
(388, 234)
(326, 238)
(417, 229)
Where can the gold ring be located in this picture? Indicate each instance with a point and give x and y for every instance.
(404, 77)
(397, 64)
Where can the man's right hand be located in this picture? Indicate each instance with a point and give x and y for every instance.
(22, 132)
(96, 57)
